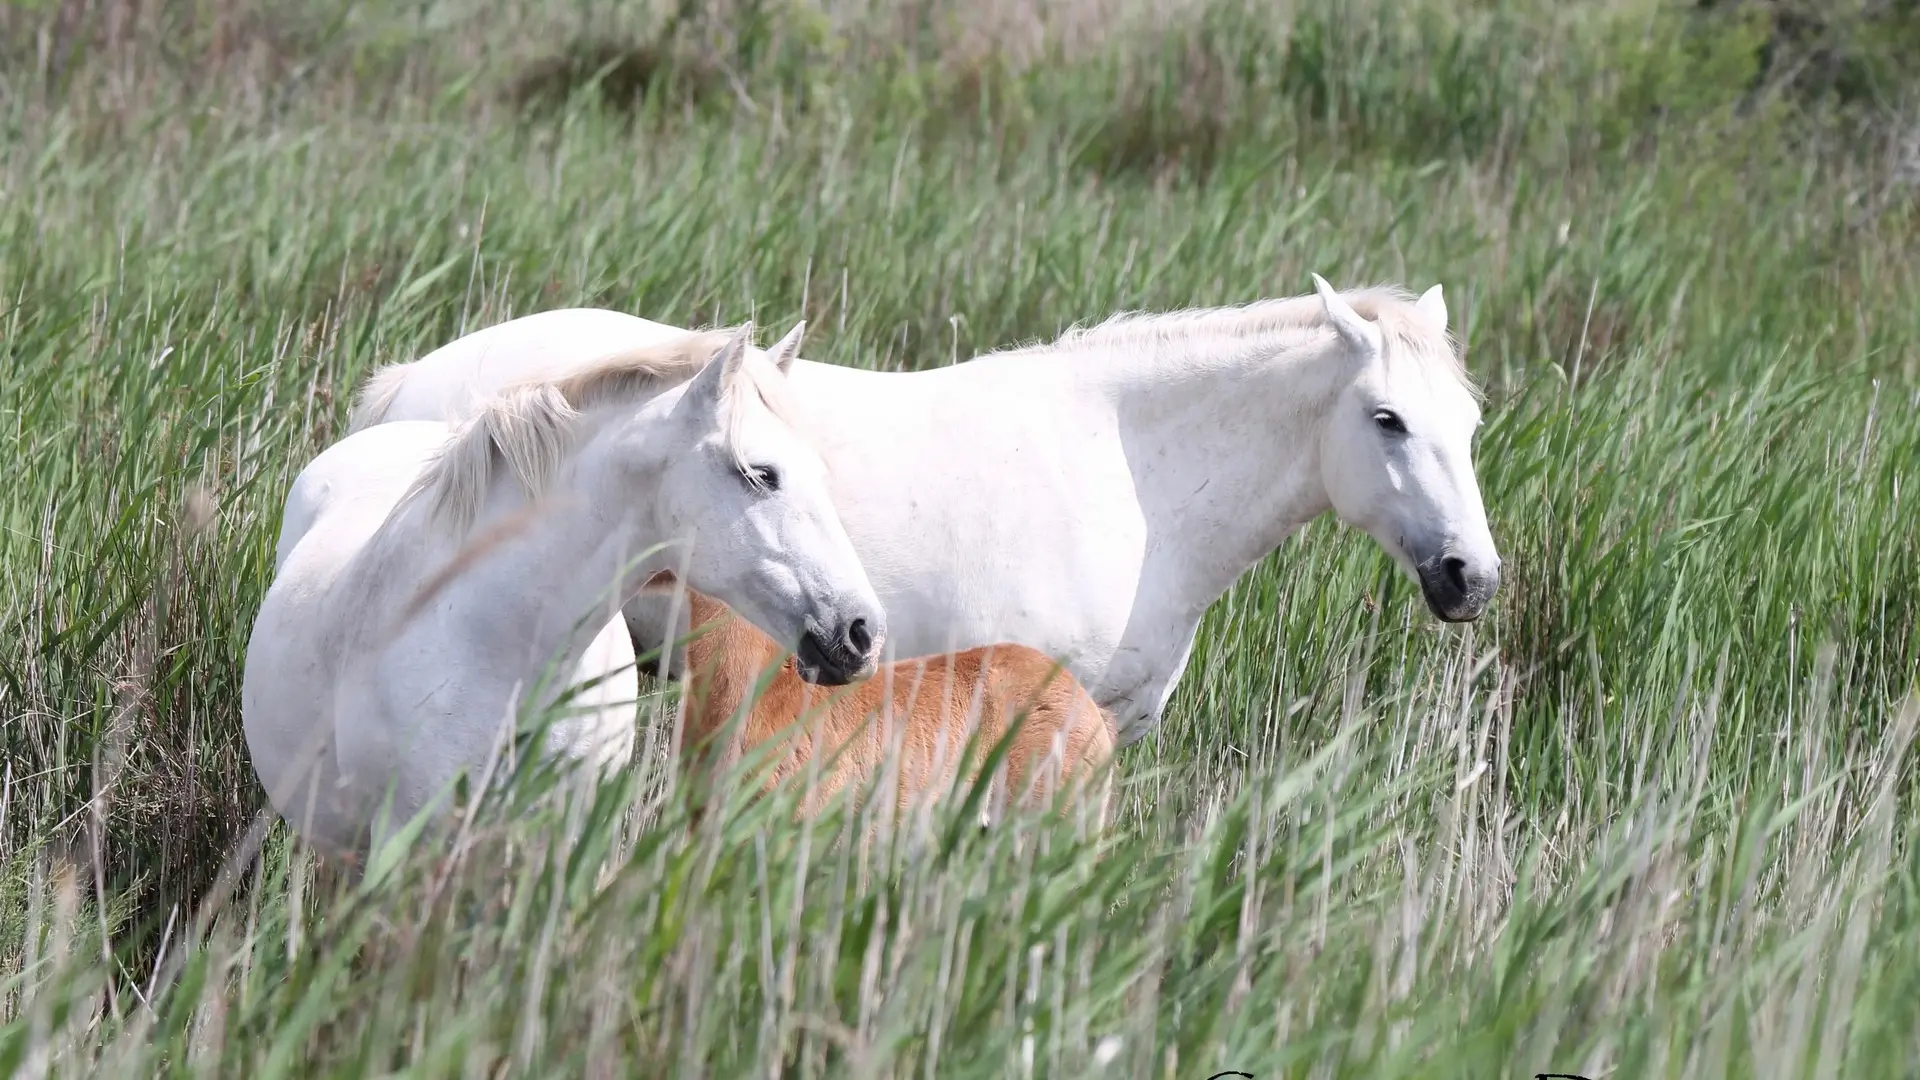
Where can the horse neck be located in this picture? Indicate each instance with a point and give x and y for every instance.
(562, 556)
(725, 644)
(1223, 437)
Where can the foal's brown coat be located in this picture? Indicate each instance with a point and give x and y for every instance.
(928, 708)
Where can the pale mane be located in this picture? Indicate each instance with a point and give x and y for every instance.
(1407, 335)
(529, 427)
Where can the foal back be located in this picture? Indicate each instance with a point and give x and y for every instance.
(915, 725)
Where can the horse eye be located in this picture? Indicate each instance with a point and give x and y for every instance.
(1390, 421)
(761, 478)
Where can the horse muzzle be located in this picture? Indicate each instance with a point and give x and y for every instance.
(844, 655)
(1457, 590)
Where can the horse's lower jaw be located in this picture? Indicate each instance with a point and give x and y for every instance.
(1457, 615)
(830, 675)
(812, 665)
(814, 676)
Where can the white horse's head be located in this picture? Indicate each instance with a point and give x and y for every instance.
(1397, 452)
(746, 488)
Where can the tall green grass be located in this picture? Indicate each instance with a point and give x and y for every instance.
(1653, 816)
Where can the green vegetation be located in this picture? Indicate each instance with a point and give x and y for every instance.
(1655, 816)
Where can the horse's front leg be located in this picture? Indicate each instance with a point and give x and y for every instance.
(1141, 677)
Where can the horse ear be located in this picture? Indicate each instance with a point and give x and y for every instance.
(1433, 308)
(1361, 335)
(787, 349)
(705, 392)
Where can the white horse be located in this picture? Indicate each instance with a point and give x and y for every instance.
(1091, 497)
(431, 575)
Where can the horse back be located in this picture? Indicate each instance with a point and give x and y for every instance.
(1057, 725)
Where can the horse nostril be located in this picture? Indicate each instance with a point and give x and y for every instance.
(859, 636)
(1456, 571)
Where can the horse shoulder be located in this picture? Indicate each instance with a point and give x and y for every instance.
(414, 709)
(398, 671)
(600, 729)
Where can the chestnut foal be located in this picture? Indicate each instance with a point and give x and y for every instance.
(913, 718)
